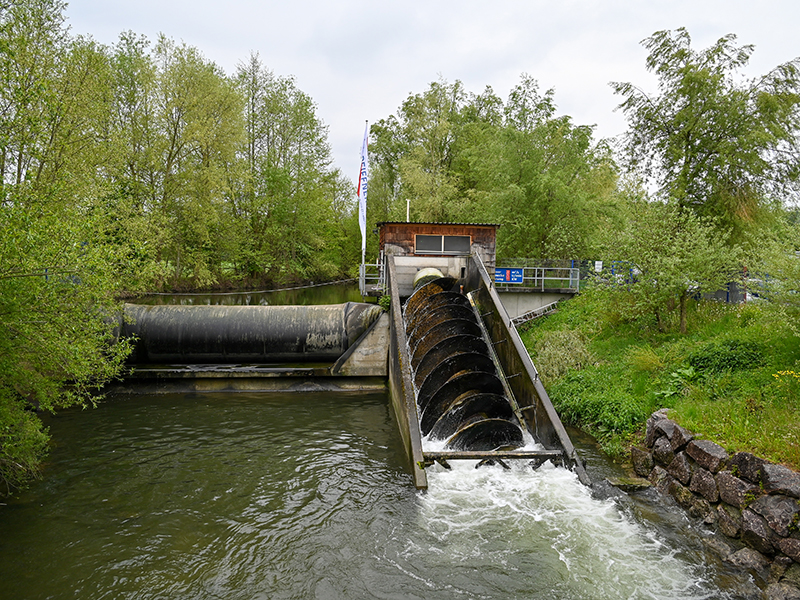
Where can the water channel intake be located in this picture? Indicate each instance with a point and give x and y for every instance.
(459, 392)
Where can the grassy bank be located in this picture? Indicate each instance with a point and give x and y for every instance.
(733, 378)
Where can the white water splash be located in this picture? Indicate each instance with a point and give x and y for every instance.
(544, 531)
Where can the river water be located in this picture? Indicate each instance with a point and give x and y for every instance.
(328, 293)
(272, 496)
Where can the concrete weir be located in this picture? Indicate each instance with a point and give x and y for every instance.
(340, 347)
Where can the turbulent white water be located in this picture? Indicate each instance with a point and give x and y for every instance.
(543, 533)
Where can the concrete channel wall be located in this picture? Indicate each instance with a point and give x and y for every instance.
(518, 303)
(531, 396)
(400, 384)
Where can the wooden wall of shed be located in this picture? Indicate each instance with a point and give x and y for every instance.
(398, 238)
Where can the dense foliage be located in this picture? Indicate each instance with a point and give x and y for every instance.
(138, 167)
(458, 156)
(733, 378)
(713, 141)
(143, 166)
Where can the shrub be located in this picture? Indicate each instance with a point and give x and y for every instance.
(644, 358)
(727, 355)
(677, 383)
(558, 352)
(23, 443)
(748, 314)
(597, 400)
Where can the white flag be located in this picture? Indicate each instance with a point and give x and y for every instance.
(362, 191)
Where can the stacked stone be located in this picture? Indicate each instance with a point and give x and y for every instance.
(743, 496)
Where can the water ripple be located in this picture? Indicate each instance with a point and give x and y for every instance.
(247, 496)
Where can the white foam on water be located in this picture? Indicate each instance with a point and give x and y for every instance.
(546, 522)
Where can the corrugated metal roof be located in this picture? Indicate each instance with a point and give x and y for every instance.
(436, 223)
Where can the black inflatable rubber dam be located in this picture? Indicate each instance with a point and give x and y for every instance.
(244, 334)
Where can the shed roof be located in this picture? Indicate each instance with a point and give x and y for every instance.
(437, 223)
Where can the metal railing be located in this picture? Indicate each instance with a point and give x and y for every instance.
(544, 278)
(371, 278)
(536, 313)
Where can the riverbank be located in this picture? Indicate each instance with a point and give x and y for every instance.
(733, 378)
(750, 501)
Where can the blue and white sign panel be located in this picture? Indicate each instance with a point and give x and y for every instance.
(504, 275)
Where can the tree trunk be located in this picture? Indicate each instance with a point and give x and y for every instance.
(659, 321)
(683, 301)
(178, 267)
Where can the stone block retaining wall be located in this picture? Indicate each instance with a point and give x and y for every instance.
(745, 497)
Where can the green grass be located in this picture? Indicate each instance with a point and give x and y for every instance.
(733, 378)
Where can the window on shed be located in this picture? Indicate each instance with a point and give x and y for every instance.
(429, 243)
(442, 244)
(456, 243)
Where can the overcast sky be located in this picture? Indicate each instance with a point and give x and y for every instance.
(360, 60)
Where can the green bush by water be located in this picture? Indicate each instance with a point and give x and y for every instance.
(732, 378)
(23, 442)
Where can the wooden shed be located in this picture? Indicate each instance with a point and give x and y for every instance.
(439, 239)
(444, 246)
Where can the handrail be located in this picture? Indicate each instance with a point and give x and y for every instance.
(371, 278)
(544, 278)
(535, 313)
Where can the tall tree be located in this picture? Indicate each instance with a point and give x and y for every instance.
(552, 184)
(134, 134)
(714, 142)
(34, 37)
(199, 114)
(58, 275)
(291, 200)
(413, 154)
(460, 156)
(132, 170)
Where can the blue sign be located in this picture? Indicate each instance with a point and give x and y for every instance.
(504, 275)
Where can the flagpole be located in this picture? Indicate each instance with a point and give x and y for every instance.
(363, 176)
